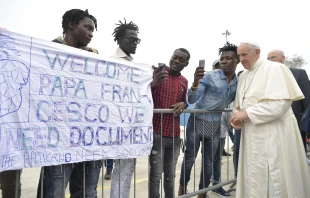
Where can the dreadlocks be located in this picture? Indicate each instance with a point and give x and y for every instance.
(229, 47)
(119, 31)
(74, 16)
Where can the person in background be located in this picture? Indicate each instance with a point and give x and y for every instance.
(216, 65)
(237, 143)
(300, 106)
(109, 167)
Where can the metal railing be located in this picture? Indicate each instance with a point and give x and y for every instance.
(228, 177)
(141, 180)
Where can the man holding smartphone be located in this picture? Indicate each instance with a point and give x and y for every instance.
(212, 91)
(169, 89)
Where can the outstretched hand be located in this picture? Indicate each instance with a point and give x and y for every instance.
(178, 108)
(159, 76)
(199, 73)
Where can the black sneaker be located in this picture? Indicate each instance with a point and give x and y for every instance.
(225, 153)
(108, 175)
(221, 192)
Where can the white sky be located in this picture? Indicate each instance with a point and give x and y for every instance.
(170, 24)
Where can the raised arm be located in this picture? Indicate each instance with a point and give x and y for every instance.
(198, 87)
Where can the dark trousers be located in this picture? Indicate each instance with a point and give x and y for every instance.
(8, 182)
(304, 139)
(56, 179)
(236, 150)
(163, 158)
(109, 164)
(210, 149)
(217, 165)
(231, 135)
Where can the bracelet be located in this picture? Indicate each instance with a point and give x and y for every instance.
(195, 88)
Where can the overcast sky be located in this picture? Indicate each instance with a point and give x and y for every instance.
(170, 24)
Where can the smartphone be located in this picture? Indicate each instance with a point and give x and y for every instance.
(202, 63)
(162, 66)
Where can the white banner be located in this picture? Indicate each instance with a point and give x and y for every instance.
(60, 105)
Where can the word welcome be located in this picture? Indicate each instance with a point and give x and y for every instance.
(60, 105)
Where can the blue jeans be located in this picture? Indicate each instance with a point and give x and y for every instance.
(109, 164)
(8, 181)
(209, 150)
(163, 158)
(217, 162)
(56, 179)
(121, 177)
(236, 150)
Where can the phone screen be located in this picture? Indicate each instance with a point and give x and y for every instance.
(202, 63)
(161, 66)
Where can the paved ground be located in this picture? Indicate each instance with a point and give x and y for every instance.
(139, 189)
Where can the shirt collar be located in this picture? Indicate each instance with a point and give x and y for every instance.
(169, 72)
(121, 54)
(62, 41)
(222, 76)
(234, 80)
(257, 63)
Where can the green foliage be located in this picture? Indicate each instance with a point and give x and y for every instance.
(297, 61)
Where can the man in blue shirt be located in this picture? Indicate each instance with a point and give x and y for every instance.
(216, 65)
(212, 91)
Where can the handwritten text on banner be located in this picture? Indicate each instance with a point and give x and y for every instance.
(63, 105)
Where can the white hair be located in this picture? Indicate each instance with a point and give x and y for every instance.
(254, 46)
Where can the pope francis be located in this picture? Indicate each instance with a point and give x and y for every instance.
(272, 160)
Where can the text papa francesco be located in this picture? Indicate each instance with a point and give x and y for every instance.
(78, 100)
(118, 82)
(104, 110)
(68, 106)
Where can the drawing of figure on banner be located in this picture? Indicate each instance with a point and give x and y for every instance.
(13, 76)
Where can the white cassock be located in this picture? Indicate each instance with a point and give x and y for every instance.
(272, 160)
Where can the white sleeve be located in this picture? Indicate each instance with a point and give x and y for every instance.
(268, 110)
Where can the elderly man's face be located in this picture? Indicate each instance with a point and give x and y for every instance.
(248, 55)
(276, 57)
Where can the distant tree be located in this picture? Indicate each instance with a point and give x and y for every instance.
(226, 34)
(297, 61)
